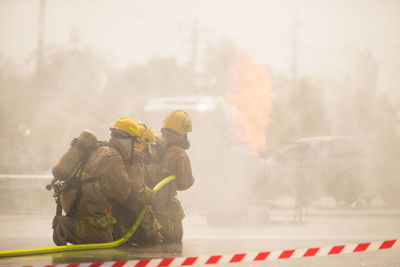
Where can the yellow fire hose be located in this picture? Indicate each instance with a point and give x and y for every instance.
(122, 240)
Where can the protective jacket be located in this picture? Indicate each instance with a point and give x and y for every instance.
(111, 179)
(126, 213)
(168, 209)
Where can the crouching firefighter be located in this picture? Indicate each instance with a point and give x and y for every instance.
(148, 232)
(175, 161)
(88, 177)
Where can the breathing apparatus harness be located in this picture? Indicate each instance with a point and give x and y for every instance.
(76, 179)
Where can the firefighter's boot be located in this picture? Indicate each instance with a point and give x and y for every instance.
(58, 233)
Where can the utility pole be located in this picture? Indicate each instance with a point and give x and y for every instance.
(40, 40)
(295, 44)
(194, 46)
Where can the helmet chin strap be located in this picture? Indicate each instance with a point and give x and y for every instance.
(148, 153)
(132, 148)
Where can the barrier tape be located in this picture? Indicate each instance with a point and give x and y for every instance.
(247, 257)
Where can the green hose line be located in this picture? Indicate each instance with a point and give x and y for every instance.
(122, 240)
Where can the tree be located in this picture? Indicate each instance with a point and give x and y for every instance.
(217, 77)
(300, 113)
(53, 106)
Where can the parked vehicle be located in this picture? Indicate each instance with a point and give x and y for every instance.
(328, 165)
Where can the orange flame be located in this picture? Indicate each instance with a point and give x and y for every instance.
(252, 103)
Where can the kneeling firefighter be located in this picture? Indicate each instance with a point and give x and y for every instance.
(149, 144)
(175, 161)
(148, 231)
(102, 174)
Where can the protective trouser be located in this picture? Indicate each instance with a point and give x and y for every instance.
(148, 231)
(170, 219)
(85, 230)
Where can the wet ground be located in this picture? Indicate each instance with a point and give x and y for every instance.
(32, 231)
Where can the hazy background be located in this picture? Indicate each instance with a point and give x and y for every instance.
(286, 70)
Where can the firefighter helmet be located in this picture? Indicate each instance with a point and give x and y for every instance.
(146, 136)
(127, 126)
(179, 121)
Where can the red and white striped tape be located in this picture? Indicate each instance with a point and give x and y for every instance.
(247, 257)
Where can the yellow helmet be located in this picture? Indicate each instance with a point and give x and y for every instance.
(179, 121)
(126, 125)
(146, 136)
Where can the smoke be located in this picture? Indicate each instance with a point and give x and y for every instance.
(79, 88)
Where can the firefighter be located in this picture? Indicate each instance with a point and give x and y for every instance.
(147, 143)
(174, 161)
(148, 232)
(106, 175)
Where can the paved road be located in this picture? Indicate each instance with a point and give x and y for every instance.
(31, 231)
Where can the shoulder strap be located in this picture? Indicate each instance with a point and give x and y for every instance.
(77, 182)
(78, 195)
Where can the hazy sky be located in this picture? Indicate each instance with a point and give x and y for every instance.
(330, 33)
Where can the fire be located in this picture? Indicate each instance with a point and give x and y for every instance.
(251, 100)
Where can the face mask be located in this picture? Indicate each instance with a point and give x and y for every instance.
(185, 142)
(126, 144)
(148, 153)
